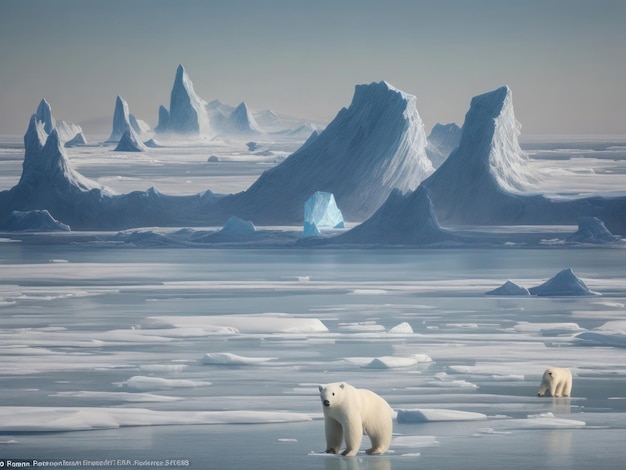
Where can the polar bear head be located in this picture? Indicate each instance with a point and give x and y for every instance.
(332, 394)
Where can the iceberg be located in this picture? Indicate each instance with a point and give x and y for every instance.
(129, 142)
(139, 126)
(164, 121)
(404, 219)
(443, 138)
(78, 139)
(235, 225)
(592, 230)
(509, 288)
(321, 211)
(33, 221)
(44, 114)
(487, 180)
(565, 283)
(472, 185)
(241, 121)
(153, 144)
(187, 113)
(369, 149)
(121, 120)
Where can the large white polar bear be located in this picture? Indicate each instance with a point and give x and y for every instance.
(557, 381)
(351, 412)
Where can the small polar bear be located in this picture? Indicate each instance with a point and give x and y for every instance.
(351, 412)
(557, 381)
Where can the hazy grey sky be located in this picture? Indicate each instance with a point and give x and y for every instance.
(565, 60)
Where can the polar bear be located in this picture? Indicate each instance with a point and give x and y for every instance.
(351, 412)
(557, 381)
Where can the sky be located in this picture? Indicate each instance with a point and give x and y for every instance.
(565, 60)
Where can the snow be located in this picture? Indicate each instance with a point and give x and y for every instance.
(143, 383)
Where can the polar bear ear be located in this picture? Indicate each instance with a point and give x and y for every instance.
(343, 385)
(321, 388)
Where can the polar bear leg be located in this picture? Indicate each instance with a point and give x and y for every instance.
(380, 435)
(334, 435)
(353, 430)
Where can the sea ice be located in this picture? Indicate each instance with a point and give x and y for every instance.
(424, 415)
(230, 359)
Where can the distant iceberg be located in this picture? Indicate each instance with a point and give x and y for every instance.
(187, 113)
(443, 138)
(235, 225)
(121, 120)
(592, 230)
(242, 122)
(33, 221)
(509, 288)
(78, 139)
(66, 130)
(129, 142)
(565, 283)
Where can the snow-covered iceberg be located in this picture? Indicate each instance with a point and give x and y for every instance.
(33, 221)
(509, 288)
(66, 130)
(565, 283)
(370, 148)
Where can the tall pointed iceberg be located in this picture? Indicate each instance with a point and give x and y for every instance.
(187, 113)
(121, 120)
(480, 179)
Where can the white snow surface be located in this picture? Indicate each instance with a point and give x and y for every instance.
(239, 323)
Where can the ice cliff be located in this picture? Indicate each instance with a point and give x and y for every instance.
(375, 145)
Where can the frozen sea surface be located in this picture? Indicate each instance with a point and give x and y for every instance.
(214, 356)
